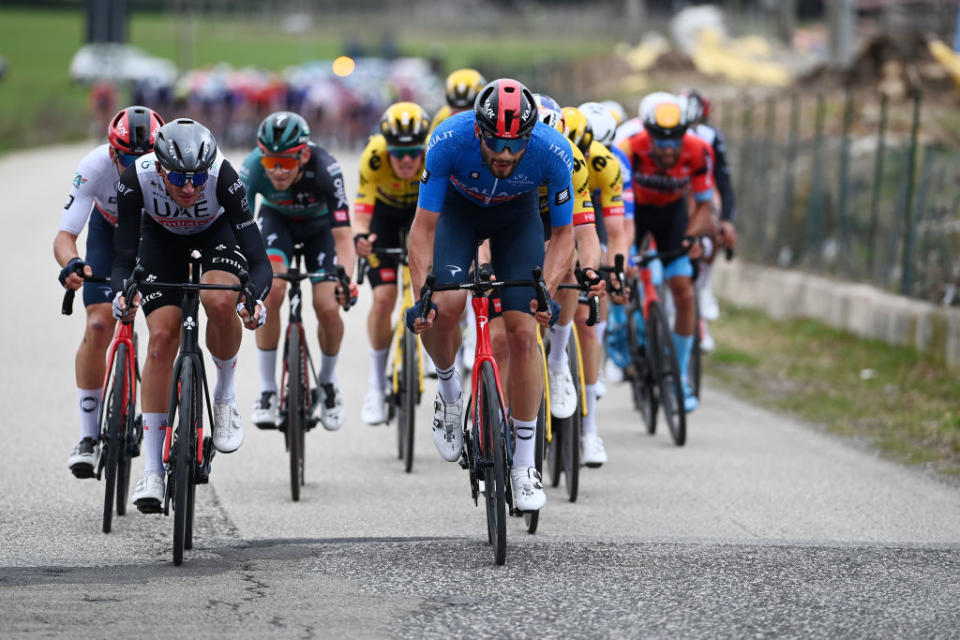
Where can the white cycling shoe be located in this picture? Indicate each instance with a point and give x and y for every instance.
(85, 458)
(594, 454)
(148, 494)
(328, 408)
(563, 395)
(709, 309)
(527, 486)
(447, 432)
(227, 427)
(266, 411)
(374, 407)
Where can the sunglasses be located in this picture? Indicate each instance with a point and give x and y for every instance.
(402, 152)
(180, 178)
(126, 159)
(515, 145)
(667, 143)
(280, 163)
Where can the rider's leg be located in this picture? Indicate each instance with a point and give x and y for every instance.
(526, 373)
(91, 366)
(380, 331)
(224, 331)
(268, 336)
(329, 329)
(163, 325)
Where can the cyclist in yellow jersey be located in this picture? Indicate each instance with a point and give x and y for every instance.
(390, 169)
(463, 85)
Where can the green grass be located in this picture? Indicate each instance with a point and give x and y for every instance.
(39, 105)
(901, 401)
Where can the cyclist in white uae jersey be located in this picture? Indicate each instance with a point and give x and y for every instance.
(182, 197)
(130, 135)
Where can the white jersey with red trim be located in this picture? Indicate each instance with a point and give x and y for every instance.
(161, 206)
(94, 185)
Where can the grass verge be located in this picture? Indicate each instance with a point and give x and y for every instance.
(901, 401)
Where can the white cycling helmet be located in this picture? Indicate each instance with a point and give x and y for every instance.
(549, 111)
(619, 113)
(601, 121)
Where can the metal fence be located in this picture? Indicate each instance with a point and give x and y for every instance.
(852, 185)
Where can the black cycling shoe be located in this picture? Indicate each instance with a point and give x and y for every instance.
(84, 458)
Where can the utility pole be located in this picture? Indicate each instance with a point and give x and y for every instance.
(786, 20)
(840, 14)
(106, 20)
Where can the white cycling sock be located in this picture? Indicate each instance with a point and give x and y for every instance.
(589, 424)
(88, 403)
(449, 383)
(703, 275)
(154, 426)
(559, 335)
(267, 358)
(378, 368)
(223, 391)
(600, 329)
(526, 444)
(328, 365)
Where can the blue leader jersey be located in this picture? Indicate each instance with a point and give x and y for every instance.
(453, 158)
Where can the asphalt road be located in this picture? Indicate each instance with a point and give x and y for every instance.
(758, 527)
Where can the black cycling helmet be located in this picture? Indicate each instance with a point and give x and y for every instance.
(283, 132)
(185, 145)
(506, 109)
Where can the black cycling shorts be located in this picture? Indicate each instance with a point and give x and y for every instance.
(165, 257)
(668, 224)
(100, 258)
(388, 223)
(280, 232)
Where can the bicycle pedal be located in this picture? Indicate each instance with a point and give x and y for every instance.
(266, 426)
(84, 471)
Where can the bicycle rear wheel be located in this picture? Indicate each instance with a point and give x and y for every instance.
(183, 457)
(295, 411)
(113, 417)
(494, 463)
(644, 398)
(532, 518)
(696, 353)
(409, 387)
(571, 429)
(668, 374)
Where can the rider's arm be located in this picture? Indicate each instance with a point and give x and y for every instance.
(233, 197)
(420, 247)
(721, 175)
(560, 196)
(701, 184)
(328, 170)
(76, 212)
(126, 238)
(437, 166)
(366, 200)
(588, 246)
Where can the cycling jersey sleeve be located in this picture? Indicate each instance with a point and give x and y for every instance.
(721, 174)
(126, 239)
(701, 178)
(330, 173)
(582, 205)
(247, 172)
(233, 197)
(367, 190)
(438, 165)
(626, 171)
(559, 178)
(76, 210)
(607, 178)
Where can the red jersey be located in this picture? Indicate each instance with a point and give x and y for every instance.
(654, 185)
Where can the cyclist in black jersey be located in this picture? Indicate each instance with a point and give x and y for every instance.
(185, 196)
(302, 200)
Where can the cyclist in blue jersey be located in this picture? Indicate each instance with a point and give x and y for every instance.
(480, 181)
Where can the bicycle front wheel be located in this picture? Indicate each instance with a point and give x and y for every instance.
(494, 463)
(409, 387)
(113, 428)
(668, 374)
(183, 457)
(642, 382)
(295, 410)
(532, 518)
(571, 429)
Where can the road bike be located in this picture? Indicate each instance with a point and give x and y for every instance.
(487, 433)
(406, 379)
(298, 370)
(121, 428)
(188, 451)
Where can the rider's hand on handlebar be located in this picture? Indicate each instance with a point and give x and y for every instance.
(345, 301)
(69, 276)
(120, 309)
(259, 314)
(598, 285)
(414, 322)
(727, 236)
(549, 317)
(695, 250)
(364, 242)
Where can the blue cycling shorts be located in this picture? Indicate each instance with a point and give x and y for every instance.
(516, 242)
(100, 258)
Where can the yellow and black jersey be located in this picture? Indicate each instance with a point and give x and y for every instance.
(606, 180)
(378, 182)
(582, 205)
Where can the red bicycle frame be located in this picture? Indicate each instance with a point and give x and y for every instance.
(484, 353)
(123, 334)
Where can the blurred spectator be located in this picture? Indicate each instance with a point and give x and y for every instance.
(102, 103)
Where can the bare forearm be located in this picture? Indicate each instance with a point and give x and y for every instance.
(617, 239)
(588, 246)
(65, 247)
(559, 255)
(701, 222)
(420, 247)
(361, 222)
(346, 255)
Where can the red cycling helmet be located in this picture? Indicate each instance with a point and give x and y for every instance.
(134, 129)
(506, 109)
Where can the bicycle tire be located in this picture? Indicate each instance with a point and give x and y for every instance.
(182, 458)
(532, 518)
(668, 374)
(554, 452)
(573, 425)
(294, 408)
(696, 353)
(113, 415)
(644, 397)
(408, 398)
(493, 459)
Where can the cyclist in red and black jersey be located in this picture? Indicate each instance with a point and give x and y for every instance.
(667, 161)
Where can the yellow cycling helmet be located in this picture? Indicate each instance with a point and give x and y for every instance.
(463, 85)
(405, 124)
(577, 128)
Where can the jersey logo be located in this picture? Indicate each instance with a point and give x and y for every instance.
(598, 163)
(78, 179)
(454, 269)
(474, 175)
(425, 176)
(563, 196)
(69, 202)
(271, 238)
(221, 247)
(341, 216)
